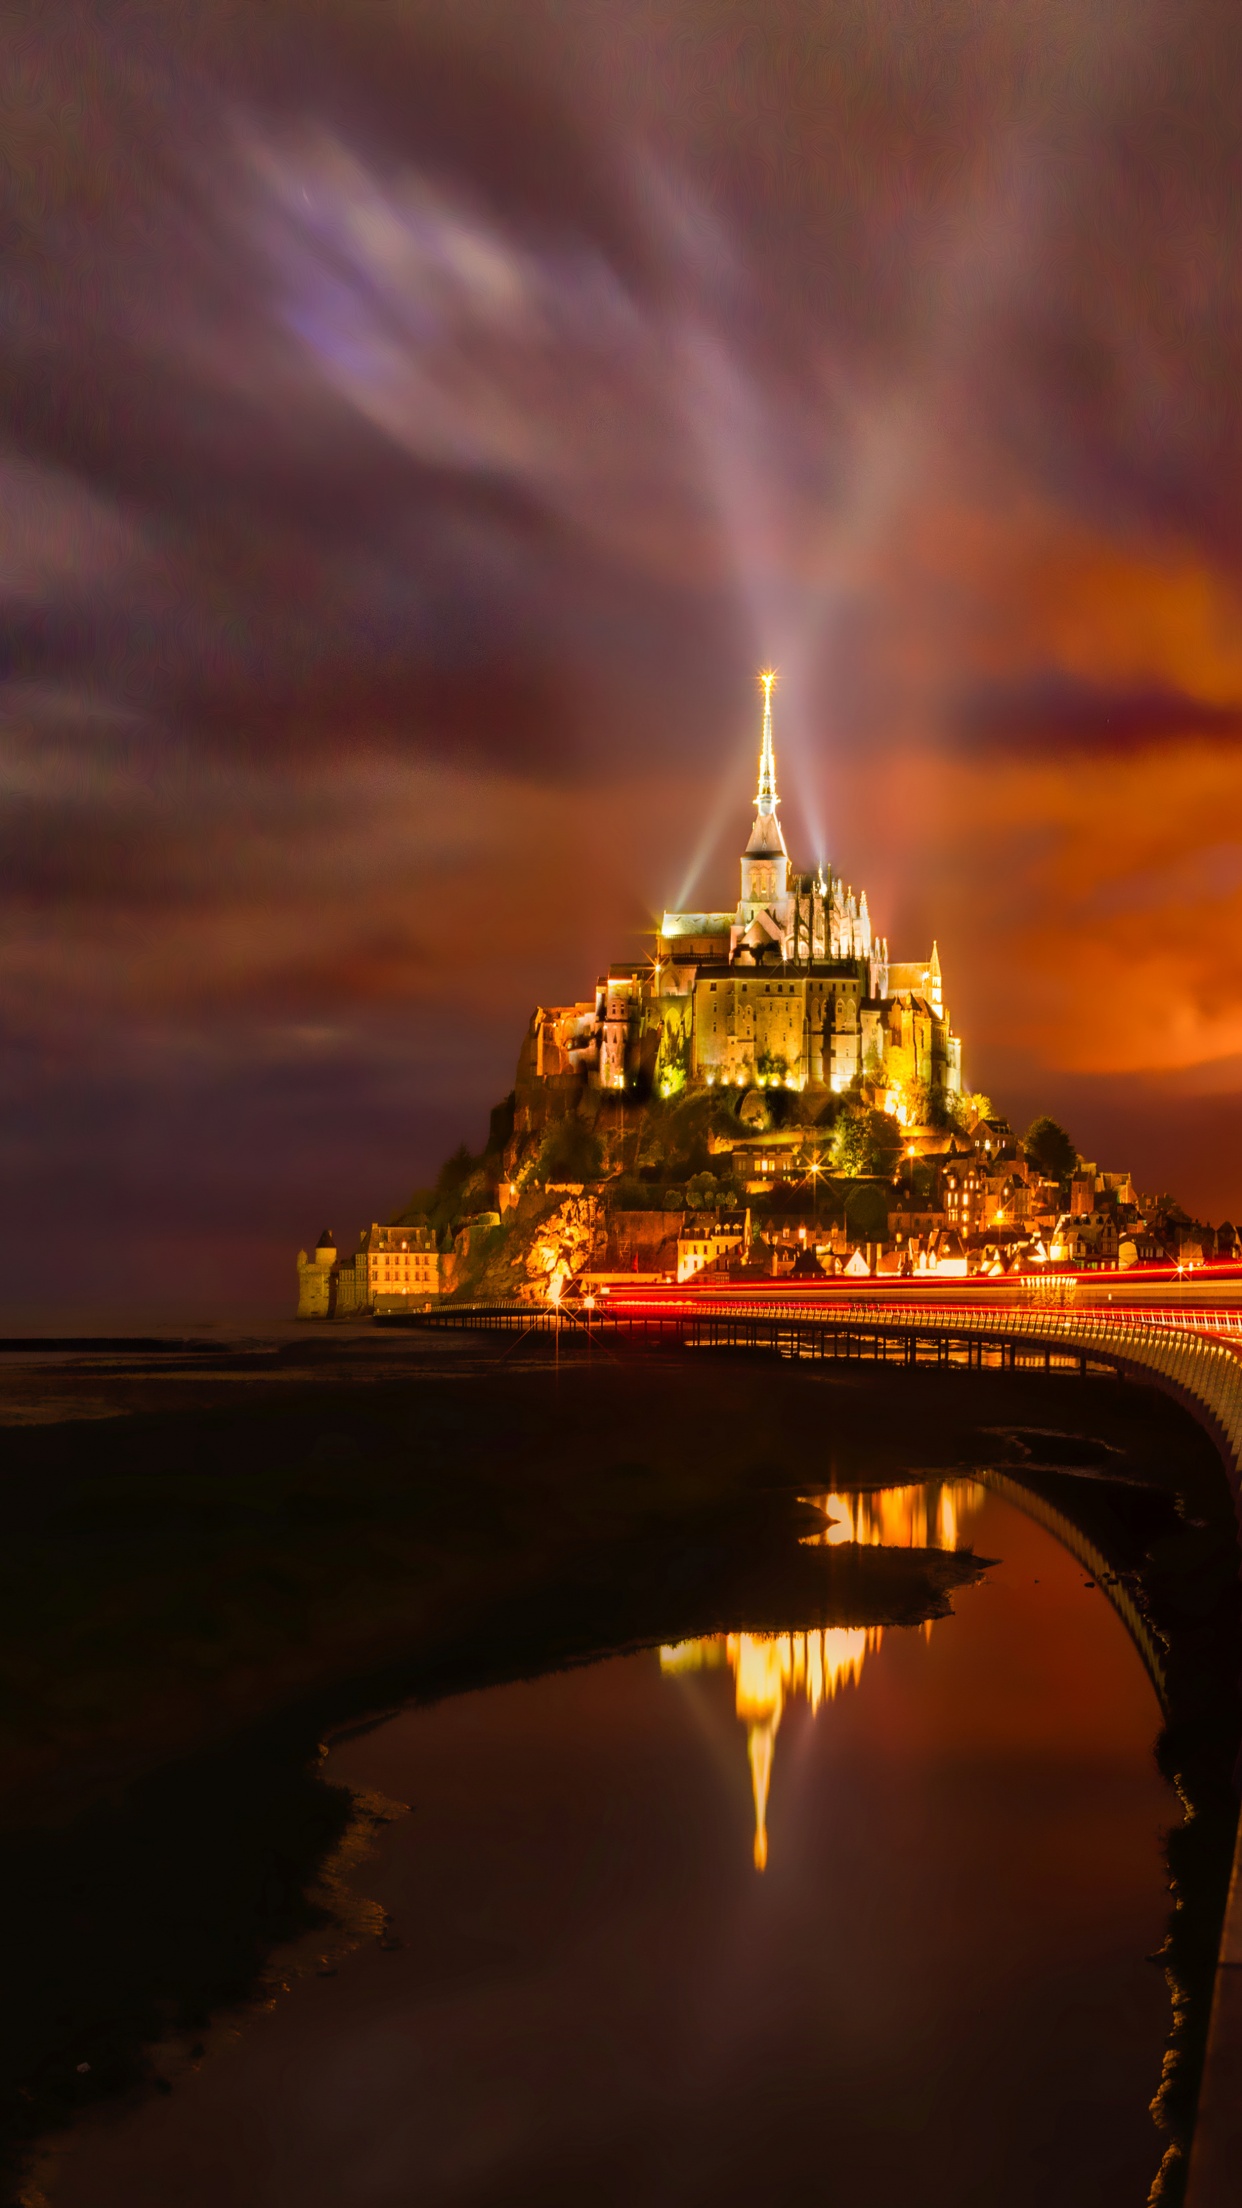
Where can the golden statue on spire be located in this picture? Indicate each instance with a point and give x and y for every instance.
(766, 798)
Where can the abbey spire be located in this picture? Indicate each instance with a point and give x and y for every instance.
(794, 988)
(766, 799)
(767, 839)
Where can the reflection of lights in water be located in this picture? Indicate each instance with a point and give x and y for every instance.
(770, 1669)
(925, 1515)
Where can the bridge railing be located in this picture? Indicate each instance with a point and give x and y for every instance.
(1043, 1324)
(1142, 1319)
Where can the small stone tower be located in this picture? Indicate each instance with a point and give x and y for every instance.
(315, 1278)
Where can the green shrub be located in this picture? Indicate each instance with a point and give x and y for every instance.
(1048, 1148)
(570, 1151)
(865, 1142)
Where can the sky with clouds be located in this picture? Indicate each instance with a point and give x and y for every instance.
(416, 426)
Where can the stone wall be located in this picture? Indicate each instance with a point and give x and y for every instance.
(648, 1237)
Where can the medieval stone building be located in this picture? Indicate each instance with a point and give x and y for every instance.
(791, 989)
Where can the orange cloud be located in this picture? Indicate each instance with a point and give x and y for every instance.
(1090, 910)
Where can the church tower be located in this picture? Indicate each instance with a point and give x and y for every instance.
(765, 862)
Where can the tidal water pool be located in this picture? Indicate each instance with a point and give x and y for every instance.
(844, 1916)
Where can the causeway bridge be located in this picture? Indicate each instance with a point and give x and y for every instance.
(1191, 1351)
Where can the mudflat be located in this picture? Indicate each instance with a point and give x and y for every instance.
(216, 1552)
(200, 1536)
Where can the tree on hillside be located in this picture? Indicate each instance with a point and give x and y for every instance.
(628, 1193)
(571, 1151)
(675, 1139)
(460, 1184)
(849, 1143)
(416, 1210)
(455, 1171)
(500, 1125)
(464, 1181)
(1048, 1148)
(865, 1142)
(866, 1214)
(929, 1105)
(704, 1193)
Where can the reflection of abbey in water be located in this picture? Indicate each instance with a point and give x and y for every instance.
(772, 1669)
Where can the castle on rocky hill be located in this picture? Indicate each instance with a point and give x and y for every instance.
(792, 989)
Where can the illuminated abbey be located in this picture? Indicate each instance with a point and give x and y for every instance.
(792, 989)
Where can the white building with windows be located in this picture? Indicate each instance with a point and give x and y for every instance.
(391, 1267)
